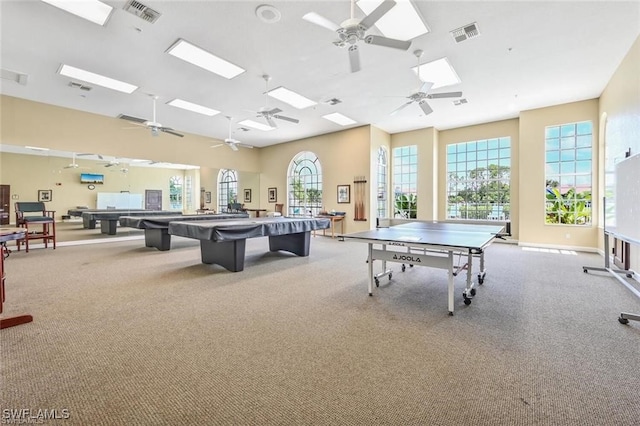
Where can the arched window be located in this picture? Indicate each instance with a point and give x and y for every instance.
(381, 188)
(175, 193)
(227, 189)
(304, 185)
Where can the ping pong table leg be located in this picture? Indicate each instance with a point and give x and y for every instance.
(451, 283)
(469, 291)
(482, 272)
(370, 269)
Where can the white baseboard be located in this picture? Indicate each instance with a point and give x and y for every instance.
(559, 247)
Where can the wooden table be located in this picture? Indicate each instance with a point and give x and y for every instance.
(9, 234)
(334, 219)
(256, 211)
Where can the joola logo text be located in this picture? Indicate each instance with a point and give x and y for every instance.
(406, 258)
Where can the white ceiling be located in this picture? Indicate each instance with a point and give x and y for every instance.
(529, 55)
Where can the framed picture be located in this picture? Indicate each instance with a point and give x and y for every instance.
(45, 195)
(344, 194)
(247, 195)
(207, 197)
(272, 195)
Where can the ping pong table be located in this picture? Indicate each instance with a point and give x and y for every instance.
(223, 241)
(156, 228)
(429, 243)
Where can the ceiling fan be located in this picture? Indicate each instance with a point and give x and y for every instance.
(111, 163)
(153, 124)
(73, 164)
(420, 97)
(230, 142)
(270, 114)
(351, 31)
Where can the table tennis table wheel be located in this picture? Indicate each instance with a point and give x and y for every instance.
(377, 281)
(473, 292)
(467, 301)
(403, 267)
(480, 279)
(623, 320)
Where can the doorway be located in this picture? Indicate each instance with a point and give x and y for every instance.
(5, 190)
(153, 199)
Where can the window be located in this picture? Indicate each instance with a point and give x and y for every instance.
(381, 189)
(188, 192)
(478, 175)
(227, 189)
(568, 157)
(175, 193)
(405, 177)
(304, 183)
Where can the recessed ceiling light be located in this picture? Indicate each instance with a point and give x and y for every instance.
(256, 125)
(338, 118)
(91, 10)
(402, 22)
(194, 55)
(290, 97)
(267, 13)
(439, 72)
(98, 79)
(179, 103)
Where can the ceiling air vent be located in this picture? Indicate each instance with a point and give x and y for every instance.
(459, 101)
(141, 11)
(80, 86)
(463, 33)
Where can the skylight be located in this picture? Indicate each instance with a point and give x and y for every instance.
(338, 118)
(291, 98)
(91, 10)
(402, 22)
(194, 55)
(98, 79)
(439, 72)
(179, 103)
(256, 125)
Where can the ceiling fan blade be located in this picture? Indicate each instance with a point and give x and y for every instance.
(170, 131)
(354, 58)
(273, 111)
(425, 87)
(401, 107)
(132, 119)
(444, 95)
(377, 13)
(216, 146)
(387, 42)
(425, 108)
(282, 117)
(314, 18)
(244, 145)
(233, 146)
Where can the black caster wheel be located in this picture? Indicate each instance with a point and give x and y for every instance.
(390, 276)
(467, 302)
(377, 281)
(403, 267)
(480, 279)
(584, 270)
(623, 321)
(473, 291)
(410, 266)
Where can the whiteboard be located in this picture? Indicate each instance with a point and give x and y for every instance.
(119, 200)
(627, 203)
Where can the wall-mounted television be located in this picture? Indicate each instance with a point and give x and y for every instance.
(91, 178)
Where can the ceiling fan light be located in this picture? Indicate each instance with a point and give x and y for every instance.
(194, 55)
(402, 22)
(290, 97)
(100, 80)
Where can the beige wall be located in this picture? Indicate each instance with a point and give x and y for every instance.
(619, 108)
(533, 229)
(342, 155)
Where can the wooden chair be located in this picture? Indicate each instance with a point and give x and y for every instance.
(29, 215)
